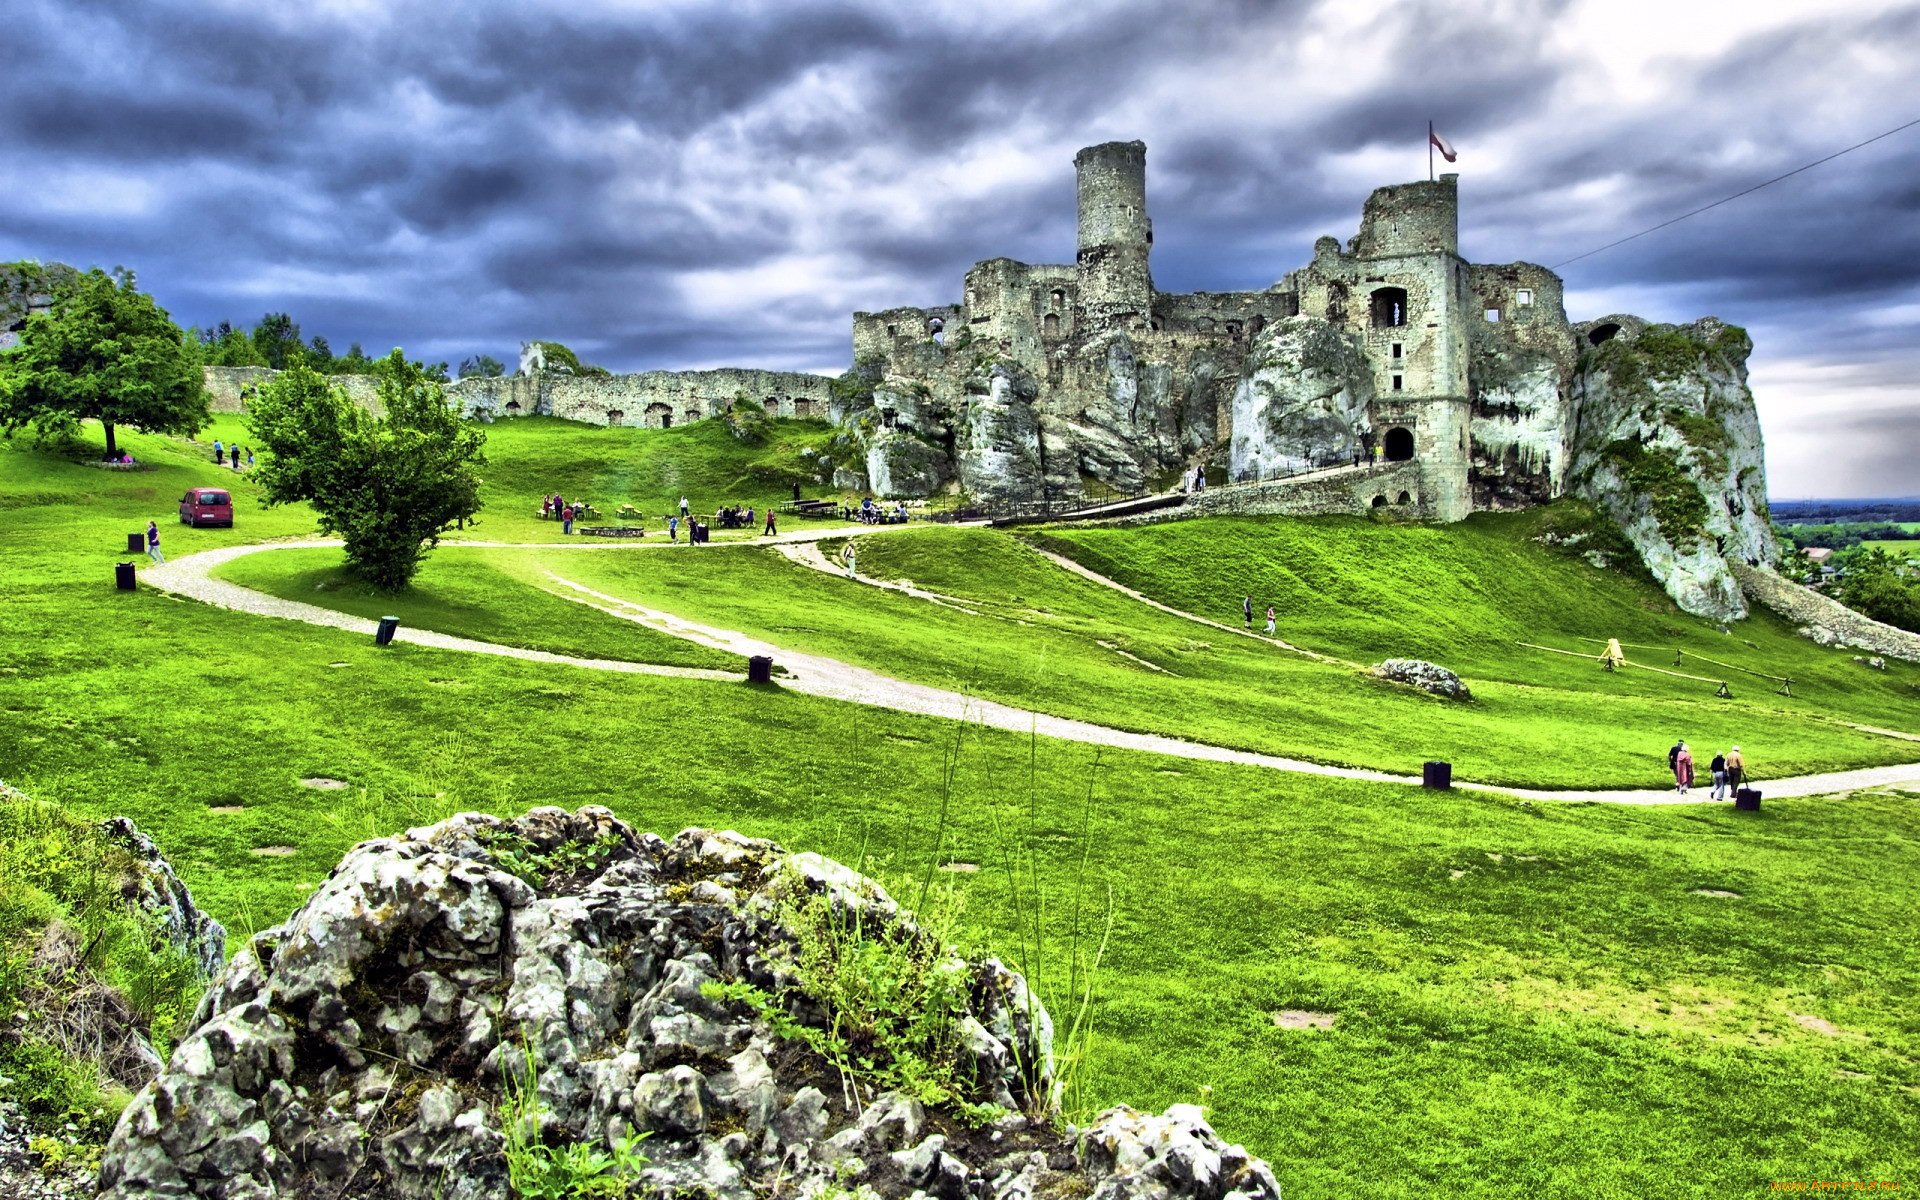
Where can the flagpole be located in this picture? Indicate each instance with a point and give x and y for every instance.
(1429, 151)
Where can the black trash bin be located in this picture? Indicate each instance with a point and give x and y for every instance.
(384, 635)
(136, 543)
(1746, 799)
(123, 576)
(759, 669)
(1436, 775)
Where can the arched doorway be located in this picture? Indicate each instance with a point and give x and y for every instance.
(1398, 445)
(1404, 498)
(1379, 501)
(615, 416)
(659, 416)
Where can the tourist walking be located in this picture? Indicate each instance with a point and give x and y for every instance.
(249, 460)
(771, 530)
(1682, 769)
(234, 450)
(673, 528)
(1718, 767)
(1270, 615)
(219, 451)
(847, 555)
(566, 520)
(1673, 755)
(153, 543)
(683, 508)
(1246, 610)
(1736, 771)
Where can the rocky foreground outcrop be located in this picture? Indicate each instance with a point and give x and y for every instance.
(369, 1047)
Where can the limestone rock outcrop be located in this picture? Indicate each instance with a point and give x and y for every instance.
(154, 887)
(367, 1047)
(1428, 677)
(1301, 401)
(1666, 441)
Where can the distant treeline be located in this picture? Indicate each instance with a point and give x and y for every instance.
(1843, 512)
(1843, 537)
(275, 340)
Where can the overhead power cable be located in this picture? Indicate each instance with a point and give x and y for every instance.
(1756, 187)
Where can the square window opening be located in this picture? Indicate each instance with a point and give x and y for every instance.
(1524, 297)
(1493, 314)
(1396, 349)
(1396, 382)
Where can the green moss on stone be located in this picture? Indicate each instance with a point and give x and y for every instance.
(1670, 490)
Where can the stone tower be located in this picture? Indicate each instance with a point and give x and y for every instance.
(1115, 235)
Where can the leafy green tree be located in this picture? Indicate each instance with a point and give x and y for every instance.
(486, 366)
(389, 486)
(277, 339)
(1873, 585)
(225, 346)
(321, 352)
(106, 352)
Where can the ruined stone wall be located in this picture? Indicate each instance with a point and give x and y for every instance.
(229, 387)
(1522, 357)
(1822, 618)
(1349, 492)
(26, 290)
(651, 398)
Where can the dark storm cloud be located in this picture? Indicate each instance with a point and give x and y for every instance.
(689, 184)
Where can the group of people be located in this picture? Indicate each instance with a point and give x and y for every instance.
(1246, 610)
(1728, 771)
(223, 452)
(870, 513)
(556, 508)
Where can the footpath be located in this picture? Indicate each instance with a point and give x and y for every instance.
(817, 675)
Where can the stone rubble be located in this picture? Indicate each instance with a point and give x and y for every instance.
(359, 1049)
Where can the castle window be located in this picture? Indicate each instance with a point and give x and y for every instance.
(772, 405)
(888, 417)
(1396, 382)
(1258, 324)
(1389, 306)
(1051, 325)
(1493, 315)
(893, 331)
(513, 408)
(803, 408)
(1059, 297)
(1396, 349)
(1398, 444)
(1405, 498)
(615, 416)
(1524, 297)
(1233, 330)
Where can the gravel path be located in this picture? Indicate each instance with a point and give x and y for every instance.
(830, 678)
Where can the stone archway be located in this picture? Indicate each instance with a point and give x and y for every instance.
(1404, 498)
(615, 416)
(1398, 444)
(659, 416)
(1379, 502)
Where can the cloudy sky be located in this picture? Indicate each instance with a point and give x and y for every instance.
(697, 184)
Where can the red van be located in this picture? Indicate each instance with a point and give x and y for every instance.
(206, 506)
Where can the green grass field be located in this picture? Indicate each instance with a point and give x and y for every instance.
(1531, 997)
(1039, 637)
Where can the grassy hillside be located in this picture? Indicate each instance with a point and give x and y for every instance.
(1529, 997)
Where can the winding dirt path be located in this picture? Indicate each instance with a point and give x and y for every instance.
(817, 675)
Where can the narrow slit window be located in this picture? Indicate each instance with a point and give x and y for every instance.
(1396, 349)
(1397, 382)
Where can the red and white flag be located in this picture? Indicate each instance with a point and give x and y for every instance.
(1441, 144)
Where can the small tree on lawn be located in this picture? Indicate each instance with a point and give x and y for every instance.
(106, 352)
(389, 486)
